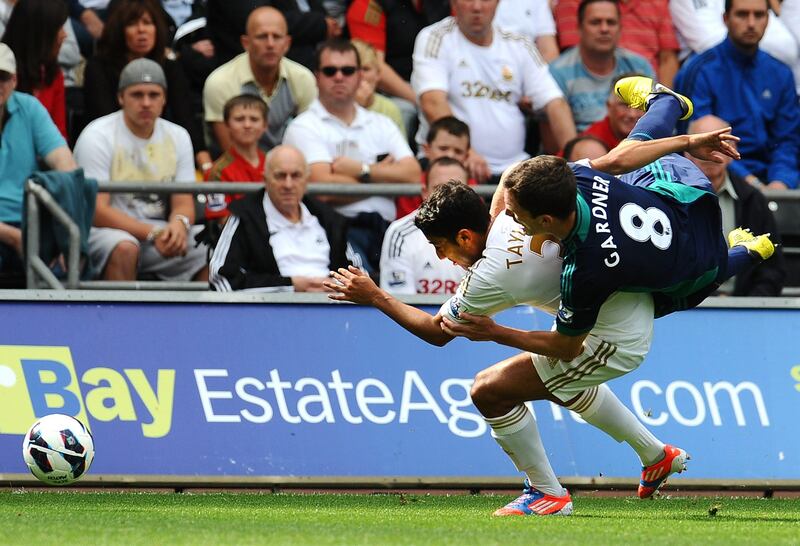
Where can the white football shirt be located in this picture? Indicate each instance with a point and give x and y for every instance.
(484, 86)
(532, 18)
(409, 264)
(517, 269)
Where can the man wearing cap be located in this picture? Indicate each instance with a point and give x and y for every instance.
(141, 233)
(26, 133)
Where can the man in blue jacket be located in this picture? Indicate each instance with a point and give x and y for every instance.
(754, 92)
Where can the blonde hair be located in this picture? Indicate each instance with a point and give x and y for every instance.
(366, 52)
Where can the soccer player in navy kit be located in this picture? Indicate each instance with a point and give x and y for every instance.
(658, 233)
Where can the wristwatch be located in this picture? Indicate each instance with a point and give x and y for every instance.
(154, 234)
(184, 220)
(364, 176)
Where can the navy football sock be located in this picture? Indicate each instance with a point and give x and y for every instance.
(738, 260)
(663, 112)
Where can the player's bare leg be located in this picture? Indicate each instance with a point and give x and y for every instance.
(503, 386)
(500, 391)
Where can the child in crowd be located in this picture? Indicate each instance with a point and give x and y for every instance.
(447, 137)
(245, 117)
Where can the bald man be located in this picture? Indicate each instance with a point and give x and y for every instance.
(287, 87)
(742, 205)
(279, 239)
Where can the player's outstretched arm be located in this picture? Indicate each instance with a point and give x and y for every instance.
(550, 344)
(355, 286)
(630, 155)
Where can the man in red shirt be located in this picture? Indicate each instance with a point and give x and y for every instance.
(618, 123)
(245, 118)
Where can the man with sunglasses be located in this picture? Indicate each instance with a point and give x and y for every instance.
(347, 144)
(26, 133)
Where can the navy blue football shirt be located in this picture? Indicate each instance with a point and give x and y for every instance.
(660, 235)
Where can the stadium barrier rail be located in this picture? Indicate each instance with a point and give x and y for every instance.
(37, 271)
(785, 205)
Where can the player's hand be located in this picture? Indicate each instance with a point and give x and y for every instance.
(714, 145)
(477, 166)
(474, 327)
(352, 285)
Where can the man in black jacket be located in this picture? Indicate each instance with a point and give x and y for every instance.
(742, 206)
(278, 239)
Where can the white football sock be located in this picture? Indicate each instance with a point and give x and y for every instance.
(518, 435)
(600, 407)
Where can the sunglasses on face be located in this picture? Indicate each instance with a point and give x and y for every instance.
(330, 71)
(5, 76)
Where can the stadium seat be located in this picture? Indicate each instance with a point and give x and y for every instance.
(787, 218)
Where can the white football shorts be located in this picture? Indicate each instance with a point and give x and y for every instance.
(614, 347)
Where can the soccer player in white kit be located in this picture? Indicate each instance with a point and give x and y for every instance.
(508, 268)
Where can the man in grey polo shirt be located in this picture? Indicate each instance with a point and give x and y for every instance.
(141, 233)
(287, 87)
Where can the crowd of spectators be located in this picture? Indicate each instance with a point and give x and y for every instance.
(288, 93)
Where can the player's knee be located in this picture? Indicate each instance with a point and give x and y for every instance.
(483, 391)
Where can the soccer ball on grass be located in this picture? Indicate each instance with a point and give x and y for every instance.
(58, 449)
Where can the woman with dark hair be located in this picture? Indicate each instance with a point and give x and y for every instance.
(35, 32)
(136, 29)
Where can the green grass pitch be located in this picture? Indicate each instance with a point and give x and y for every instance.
(61, 517)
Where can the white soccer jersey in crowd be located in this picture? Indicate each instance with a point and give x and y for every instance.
(323, 137)
(409, 264)
(790, 15)
(531, 18)
(484, 86)
(518, 269)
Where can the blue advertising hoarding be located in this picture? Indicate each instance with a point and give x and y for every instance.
(245, 390)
